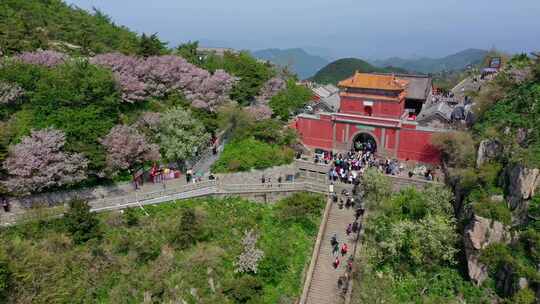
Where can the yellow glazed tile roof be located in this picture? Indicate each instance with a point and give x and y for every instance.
(374, 81)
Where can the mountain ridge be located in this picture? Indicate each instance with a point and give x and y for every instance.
(298, 60)
(456, 61)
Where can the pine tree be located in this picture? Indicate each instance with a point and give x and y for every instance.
(80, 222)
(151, 46)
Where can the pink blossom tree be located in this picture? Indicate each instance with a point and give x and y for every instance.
(270, 89)
(260, 111)
(156, 76)
(45, 58)
(148, 124)
(39, 162)
(126, 148)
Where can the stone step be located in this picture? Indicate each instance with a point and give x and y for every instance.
(323, 288)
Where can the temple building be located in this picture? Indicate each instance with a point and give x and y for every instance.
(381, 109)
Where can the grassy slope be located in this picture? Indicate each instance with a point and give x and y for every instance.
(47, 268)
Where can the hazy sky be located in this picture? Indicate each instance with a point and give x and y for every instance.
(371, 29)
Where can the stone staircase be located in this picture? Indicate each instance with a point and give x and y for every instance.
(323, 287)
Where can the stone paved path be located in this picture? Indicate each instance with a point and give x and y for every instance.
(323, 288)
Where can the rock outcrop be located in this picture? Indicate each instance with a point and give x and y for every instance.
(480, 233)
(523, 182)
(488, 150)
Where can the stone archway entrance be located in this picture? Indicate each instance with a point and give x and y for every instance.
(365, 142)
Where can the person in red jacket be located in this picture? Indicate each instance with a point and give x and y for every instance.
(344, 249)
(336, 263)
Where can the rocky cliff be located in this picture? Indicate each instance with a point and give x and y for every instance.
(480, 233)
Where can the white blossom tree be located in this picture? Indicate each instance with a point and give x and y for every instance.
(249, 259)
(10, 93)
(181, 136)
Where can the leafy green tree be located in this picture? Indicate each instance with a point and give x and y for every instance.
(82, 224)
(429, 242)
(181, 136)
(457, 148)
(286, 102)
(188, 230)
(253, 74)
(151, 46)
(189, 52)
(376, 186)
(246, 289)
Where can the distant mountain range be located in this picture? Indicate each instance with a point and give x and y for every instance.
(346, 67)
(297, 60)
(453, 62)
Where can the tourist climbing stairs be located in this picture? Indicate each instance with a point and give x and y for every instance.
(323, 288)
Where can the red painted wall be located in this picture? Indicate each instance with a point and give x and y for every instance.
(416, 145)
(389, 109)
(315, 133)
(391, 141)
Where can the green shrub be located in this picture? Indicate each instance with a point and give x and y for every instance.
(493, 210)
(300, 205)
(188, 230)
(530, 240)
(524, 296)
(4, 277)
(410, 204)
(82, 224)
(249, 153)
(534, 207)
(497, 255)
(489, 174)
(457, 148)
(246, 289)
(376, 186)
(289, 100)
(130, 217)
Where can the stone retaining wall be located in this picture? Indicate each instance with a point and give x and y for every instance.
(254, 176)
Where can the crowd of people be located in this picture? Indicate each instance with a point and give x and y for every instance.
(349, 167)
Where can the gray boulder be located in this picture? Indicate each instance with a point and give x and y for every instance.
(489, 149)
(480, 233)
(522, 184)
